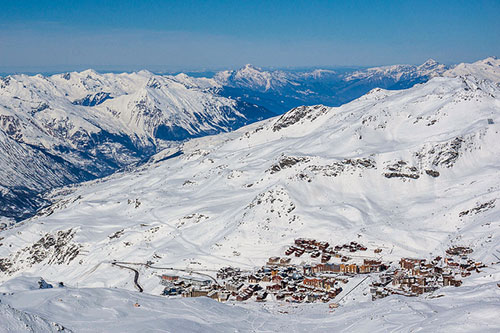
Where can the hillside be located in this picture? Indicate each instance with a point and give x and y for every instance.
(407, 173)
(74, 127)
(393, 169)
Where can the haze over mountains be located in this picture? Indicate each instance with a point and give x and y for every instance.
(73, 127)
(411, 171)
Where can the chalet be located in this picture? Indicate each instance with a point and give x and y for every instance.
(253, 279)
(273, 287)
(227, 272)
(323, 245)
(245, 294)
(199, 282)
(299, 252)
(195, 293)
(317, 268)
(277, 279)
(329, 284)
(299, 298)
(409, 263)
(374, 265)
(449, 280)
(352, 268)
(266, 278)
(171, 291)
(261, 296)
(299, 241)
(285, 261)
(213, 294)
(364, 269)
(273, 261)
(243, 297)
(334, 292)
(458, 251)
(345, 259)
(234, 286)
(325, 258)
(170, 278)
(315, 282)
(310, 297)
(385, 279)
(334, 268)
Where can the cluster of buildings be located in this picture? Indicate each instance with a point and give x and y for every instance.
(415, 277)
(186, 286)
(323, 277)
(279, 278)
(322, 249)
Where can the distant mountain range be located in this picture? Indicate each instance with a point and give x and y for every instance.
(282, 90)
(72, 127)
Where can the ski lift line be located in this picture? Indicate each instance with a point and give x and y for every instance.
(353, 289)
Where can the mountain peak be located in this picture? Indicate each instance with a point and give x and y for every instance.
(250, 67)
(430, 62)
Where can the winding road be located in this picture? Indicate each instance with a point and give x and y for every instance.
(136, 275)
(122, 264)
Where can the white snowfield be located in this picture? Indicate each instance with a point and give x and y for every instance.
(465, 309)
(412, 172)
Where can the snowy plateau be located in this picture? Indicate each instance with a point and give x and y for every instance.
(409, 173)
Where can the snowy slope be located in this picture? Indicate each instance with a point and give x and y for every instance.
(412, 172)
(467, 309)
(74, 127)
(393, 168)
(13, 320)
(488, 68)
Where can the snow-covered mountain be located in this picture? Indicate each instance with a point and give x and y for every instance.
(280, 90)
(73, 127)
(411, 172)
(488, 69)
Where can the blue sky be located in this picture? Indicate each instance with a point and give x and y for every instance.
(190, 35)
